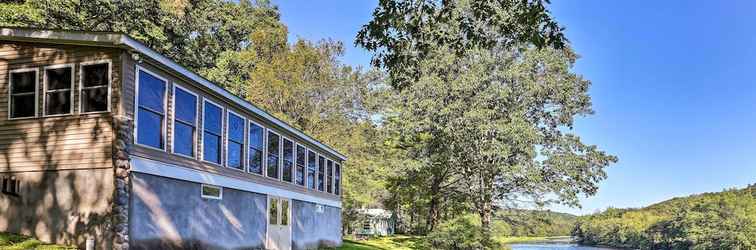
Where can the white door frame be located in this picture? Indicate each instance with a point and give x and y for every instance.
(275, 231)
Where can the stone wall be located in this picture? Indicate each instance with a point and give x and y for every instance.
(170, 214)
(122, 167)
(313, 230)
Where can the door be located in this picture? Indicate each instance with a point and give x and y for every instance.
(279, 223)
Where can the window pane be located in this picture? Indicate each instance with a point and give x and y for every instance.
(151, 92)
(186, 106)
(311, 169)
(149, 128)
(273, 148)
(22, 106)
(255, 136)
(288, 160)
(96, 75)
(337, 179)
(211, 148)
(95, 99)
(284, 212)
(23, 82)
(58, 102)
(287, 167)
(301, 152)
(321, 173)
(299, 178)
(329, 177)
(235, 128)
(273, 166)
(255, 161)
(273, 212)
(213, 118)
(183, 139)
(235, 155)
(59, 78)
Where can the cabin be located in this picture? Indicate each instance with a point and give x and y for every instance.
(375, 222)
(104, 142)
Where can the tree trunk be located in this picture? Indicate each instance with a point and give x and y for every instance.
(433, 206)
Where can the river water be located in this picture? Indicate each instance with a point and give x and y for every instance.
(553, 246)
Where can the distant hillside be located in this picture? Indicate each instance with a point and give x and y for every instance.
(520, 222)
(722, 220)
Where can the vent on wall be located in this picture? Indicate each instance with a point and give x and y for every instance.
(212, 192)
(10, 185)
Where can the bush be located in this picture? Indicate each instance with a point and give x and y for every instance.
(463, 233)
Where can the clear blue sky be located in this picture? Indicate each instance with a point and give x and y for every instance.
(674, 88)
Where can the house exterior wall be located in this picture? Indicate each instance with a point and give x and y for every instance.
(312, 229)
(64, 163)
(170, 214)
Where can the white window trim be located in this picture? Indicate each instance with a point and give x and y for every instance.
(136, 108)
(110, 84)
(222, 137)
(244, 140)
(173, 120)
(70, 88)
(36, 92)
(317, 172)
(280, 154)
(293, 162)
(337, 171)
(220, 194)
(304, 171)
(315, 176)
(264, 147)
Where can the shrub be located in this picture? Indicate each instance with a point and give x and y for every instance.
(461, 233)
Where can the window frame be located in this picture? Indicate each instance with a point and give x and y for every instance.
(163, 133)
(296, 165)
(173, 120)
(318, 173)
(72, 66)
(227, 138)
(264, 149)
(202, 192)
(337, 178)
(315, 174)
(280, 154)
(110, 84)
(36, 92)
(293, 159)
(329, 184)
(222, 138)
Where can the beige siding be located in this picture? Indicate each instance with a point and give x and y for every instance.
(76, 141)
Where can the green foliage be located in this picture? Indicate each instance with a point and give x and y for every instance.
(404, 33)
(10, 241)
(534, 223)
(462, 233)
(725, 220)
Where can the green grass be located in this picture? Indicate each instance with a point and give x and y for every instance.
(10, 241)
(397, 242)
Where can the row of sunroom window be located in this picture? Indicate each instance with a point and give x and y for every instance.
(262, 151)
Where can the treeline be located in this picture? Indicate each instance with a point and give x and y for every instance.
(521, 222)
(723, 220)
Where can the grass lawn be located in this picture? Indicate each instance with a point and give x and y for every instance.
(397, 242)
(20, 242)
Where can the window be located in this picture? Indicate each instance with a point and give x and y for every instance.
(311, 169)
(211, 140)
(329, 177)
(184, 122)
(321, 173)
(273, 212)
(95, 87)
(10, 185)
(337, 179)
(284, 212)
(300, 162)
(288, 159)
(23, 93)
(256, 142)
(150, 109)
(212, 192)
(274, 149)
(58, 85)
(235, 143)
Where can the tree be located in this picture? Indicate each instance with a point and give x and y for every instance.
(497, 121)
(403, 33)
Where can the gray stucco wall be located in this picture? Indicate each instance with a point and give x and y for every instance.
(170, 214)
(311, 229)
